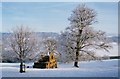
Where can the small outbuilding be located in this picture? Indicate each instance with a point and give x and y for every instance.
(47, 61)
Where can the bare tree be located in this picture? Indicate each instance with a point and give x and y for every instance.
(67, 47)
(81, 37)
(50, 45)
(22, 42)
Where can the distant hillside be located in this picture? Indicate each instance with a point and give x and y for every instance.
(48, 34)
(39, 34)
(112, 37)
(43, 35)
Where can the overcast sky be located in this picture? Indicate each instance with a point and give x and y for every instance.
(53, 16)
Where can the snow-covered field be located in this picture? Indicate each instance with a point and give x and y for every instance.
(106, 68)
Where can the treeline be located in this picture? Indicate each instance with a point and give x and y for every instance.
(114, 57)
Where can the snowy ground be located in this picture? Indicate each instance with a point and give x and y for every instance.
(106, 68)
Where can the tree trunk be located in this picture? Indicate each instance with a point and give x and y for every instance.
(77, 49)
(21, 67)
(76, 64)
(76, 59)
